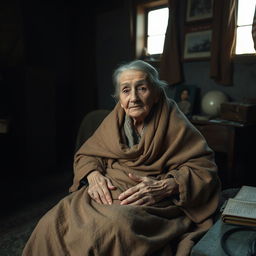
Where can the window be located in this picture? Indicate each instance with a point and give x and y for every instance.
(151, 23)
(156, 28)
(244, 41)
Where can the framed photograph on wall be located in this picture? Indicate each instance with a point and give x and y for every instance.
(199, 9)
(197, 45)
(186, 97)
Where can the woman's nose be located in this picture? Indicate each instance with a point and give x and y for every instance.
(134, 95)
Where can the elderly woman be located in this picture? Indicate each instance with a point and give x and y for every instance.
(152, 181)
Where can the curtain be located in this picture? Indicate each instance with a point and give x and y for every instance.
(223, 41)
(170, 64)
(254, 29)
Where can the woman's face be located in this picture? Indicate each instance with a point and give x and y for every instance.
(184, 95)
(136, 95)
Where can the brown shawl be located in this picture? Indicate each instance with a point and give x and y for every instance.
(170, 145)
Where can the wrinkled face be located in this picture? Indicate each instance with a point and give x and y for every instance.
(137, 95)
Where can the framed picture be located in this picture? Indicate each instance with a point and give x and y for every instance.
(186, 97)
(199, 9)
(198, 45)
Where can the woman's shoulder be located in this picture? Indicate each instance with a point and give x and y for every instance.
(172, 104)
(176, 113)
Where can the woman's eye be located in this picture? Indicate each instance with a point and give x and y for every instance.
(125, 91)
(142, 89)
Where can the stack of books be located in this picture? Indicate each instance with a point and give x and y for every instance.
(241, 210)
(237, 234)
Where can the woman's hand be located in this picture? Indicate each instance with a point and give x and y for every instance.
(99, 187)
(148, 191)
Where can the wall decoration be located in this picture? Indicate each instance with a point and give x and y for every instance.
(186, 96)
(199, 9)
(197, 45)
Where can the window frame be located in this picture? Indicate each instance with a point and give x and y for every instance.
(142, 7)
(142, 10)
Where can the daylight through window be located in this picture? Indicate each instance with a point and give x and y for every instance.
(244, 41)
(156, 29)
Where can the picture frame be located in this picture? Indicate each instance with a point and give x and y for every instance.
(199, 10)
(186, 97)
(198, 45)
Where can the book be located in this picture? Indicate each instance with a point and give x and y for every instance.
(241, 210)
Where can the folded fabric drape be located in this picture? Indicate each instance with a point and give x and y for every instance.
(254, 29)
(223, 41)
(170, 65)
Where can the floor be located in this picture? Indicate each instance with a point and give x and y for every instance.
(17, 225)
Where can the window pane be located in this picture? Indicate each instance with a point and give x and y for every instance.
(245, 12)
(244, 42)
(155, 44)
(157, 21)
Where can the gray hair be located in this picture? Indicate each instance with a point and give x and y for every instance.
(152, 75)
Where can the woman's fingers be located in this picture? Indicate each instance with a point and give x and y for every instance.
(96, 197)
(135, 177)
(107, 199)
(110, 185)
(131, 190)
(99, 187)
(128, 192)
(132, 199)
(143, 197)
(147, 192)
(103, 191)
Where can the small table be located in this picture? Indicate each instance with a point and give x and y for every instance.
(237, 142)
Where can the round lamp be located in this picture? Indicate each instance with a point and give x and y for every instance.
(211, 102)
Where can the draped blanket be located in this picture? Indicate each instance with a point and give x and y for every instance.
(170, 147)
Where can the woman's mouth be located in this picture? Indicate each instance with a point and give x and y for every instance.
(137, 106)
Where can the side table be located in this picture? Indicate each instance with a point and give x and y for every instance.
(237, 142)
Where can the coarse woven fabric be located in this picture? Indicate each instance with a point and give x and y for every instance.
(170, 147)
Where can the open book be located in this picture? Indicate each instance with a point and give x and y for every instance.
(241, 210)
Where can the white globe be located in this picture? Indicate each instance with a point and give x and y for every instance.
(211, 102)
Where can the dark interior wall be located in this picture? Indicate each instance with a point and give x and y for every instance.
(48, 88)
(47, 81)
(59, 50)
(113, 46)
(244, 79)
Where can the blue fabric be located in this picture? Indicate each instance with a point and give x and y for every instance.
(238, 242)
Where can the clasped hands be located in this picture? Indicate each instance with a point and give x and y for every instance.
(148, 191)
